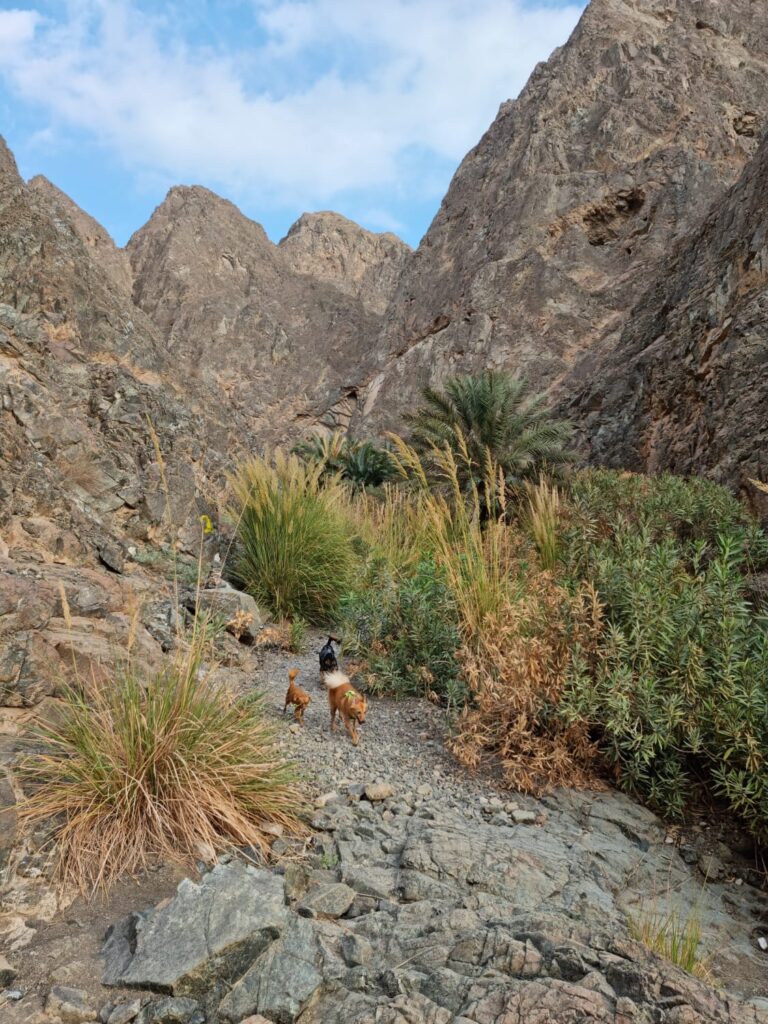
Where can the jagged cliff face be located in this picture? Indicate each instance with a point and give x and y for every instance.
(84, 380)
(284, 332)
(685, 387)
(555, 223)
(83, 374)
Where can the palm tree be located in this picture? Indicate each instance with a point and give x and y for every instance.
(493, 414)
(363, 463)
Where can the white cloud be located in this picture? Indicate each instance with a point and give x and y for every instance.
(372, 81)
(17, 28)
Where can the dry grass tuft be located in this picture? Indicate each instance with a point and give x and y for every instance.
(80, 469)
(240, 623)
(132, 773)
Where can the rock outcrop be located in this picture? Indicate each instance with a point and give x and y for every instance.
(556, 223)
(284, 332)
(685, 387)
(85, 382)
(444, 918)
(328, 247)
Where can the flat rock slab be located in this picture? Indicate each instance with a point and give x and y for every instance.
(210, 932)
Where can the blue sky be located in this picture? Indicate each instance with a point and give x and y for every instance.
(361, 106)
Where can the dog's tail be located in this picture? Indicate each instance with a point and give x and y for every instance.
(292, 674)
(333, 680)
(333, 639)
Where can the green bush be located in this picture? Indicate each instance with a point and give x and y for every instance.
(294, 552)
(666, 506)
(405, 626)
(678, 697)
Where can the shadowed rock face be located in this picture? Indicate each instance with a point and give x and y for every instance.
(685, 387)
(283, 331)
(556, 222)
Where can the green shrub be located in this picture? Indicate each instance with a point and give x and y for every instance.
(294, 552)
(678, 697)
(405, 626)
(666, 506)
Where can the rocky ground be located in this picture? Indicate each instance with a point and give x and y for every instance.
(424, 894)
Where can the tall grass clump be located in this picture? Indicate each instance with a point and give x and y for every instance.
(475, 553)
(433, 572)
(167, 767)
(389, 527)
(542, 519)
(294, 551)
(674, 936)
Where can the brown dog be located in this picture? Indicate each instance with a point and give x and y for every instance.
(344, 699)
(296, 696)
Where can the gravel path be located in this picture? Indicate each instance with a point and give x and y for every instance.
(402, 741)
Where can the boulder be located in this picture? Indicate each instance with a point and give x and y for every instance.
(282, 981)
(209, 933)
(327, 901)
(377, 791)
(7, 973)
(236, 608)
(70, 1005)
(172, 1011)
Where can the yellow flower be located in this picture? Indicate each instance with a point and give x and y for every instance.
(207, 524)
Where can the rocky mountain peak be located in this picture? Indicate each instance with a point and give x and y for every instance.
(283, 330)
(96, 239)
(332, 248)
(195, 205)
(8, 169)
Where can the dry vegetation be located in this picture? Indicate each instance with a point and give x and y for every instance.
(169, 767)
